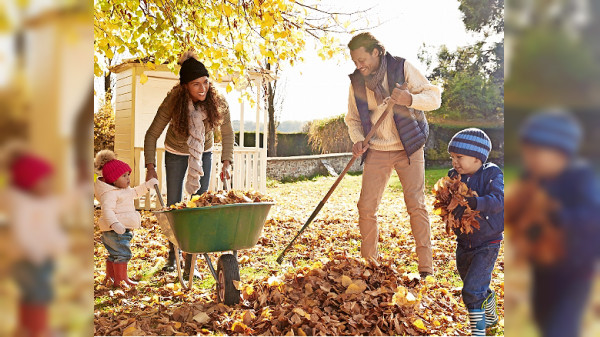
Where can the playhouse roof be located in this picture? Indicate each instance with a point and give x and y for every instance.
(255, 73)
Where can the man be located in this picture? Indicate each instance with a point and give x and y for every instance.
(397, 143)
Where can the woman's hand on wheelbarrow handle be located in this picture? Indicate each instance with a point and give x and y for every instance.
(150, 183)
(225, 171)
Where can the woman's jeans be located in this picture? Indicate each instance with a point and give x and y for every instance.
(475, 267)
(118, 245)
(176, 167)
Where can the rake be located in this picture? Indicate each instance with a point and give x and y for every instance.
(388, 109)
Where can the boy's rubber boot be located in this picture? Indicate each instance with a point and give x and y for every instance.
(477, 322)
(170, 266)
(491, 310)
(110, 273)
(120, 269)
(33, 319)
(187, 268)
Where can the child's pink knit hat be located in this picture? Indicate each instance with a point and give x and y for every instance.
(28, 169)
(113, 170)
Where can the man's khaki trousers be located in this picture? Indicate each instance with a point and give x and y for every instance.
(376, 174)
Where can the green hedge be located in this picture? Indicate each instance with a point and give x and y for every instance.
(288, 144)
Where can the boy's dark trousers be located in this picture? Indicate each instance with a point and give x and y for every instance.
(559, 298)
(475, 267)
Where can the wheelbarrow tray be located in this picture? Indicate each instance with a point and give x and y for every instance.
(215, 228)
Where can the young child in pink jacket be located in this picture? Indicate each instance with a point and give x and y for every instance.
(33, 212)
(119, 217)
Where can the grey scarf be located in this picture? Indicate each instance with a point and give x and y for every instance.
(375, 81)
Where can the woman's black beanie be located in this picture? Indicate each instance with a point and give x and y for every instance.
(192, 69)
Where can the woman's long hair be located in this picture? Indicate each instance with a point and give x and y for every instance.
(213, 105)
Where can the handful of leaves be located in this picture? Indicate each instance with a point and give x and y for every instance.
(530, 214)
(450, 193)
(221, 198)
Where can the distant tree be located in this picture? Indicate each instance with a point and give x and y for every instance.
(483, 15)
(275, 96)
(470, 95)
(555, 55)
(472, 76)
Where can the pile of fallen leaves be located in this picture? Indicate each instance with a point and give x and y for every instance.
(221, 198)
(449, 194)
(344, 296)
(341, 297)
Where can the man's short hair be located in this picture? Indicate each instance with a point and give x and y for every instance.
(366, 40)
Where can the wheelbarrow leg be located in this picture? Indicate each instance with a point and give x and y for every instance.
(185, 286)
(210, 266)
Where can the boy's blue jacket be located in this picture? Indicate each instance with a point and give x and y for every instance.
(578, 193)
(488, 182)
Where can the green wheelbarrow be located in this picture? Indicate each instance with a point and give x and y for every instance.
(222, 228)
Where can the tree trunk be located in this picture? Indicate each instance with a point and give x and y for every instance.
(272, 136)
(107, 87)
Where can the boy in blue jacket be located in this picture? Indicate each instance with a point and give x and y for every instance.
(550, 141)
(476, 252)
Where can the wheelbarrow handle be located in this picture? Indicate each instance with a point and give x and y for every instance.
(224, 180)
(162, 202)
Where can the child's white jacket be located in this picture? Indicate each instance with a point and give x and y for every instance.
(35, 224)
(117, 205)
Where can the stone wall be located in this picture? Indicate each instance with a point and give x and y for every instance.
(280, 168)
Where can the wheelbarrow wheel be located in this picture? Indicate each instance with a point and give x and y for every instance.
(228, 271)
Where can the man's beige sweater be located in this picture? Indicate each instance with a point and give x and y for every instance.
(425, 96)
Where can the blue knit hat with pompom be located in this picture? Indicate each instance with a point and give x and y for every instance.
(471, 142)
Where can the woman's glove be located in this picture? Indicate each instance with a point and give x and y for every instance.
(118, 228)
(150, 183)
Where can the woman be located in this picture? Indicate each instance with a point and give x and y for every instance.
(193, 109)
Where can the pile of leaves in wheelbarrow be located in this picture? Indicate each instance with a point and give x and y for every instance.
(450, 193)
(221, 198)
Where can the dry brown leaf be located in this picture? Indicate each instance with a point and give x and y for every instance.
(132, 330)
(201, 318)
(346, 281)
(356, 287)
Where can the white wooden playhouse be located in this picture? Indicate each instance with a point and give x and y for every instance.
(136, 106)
